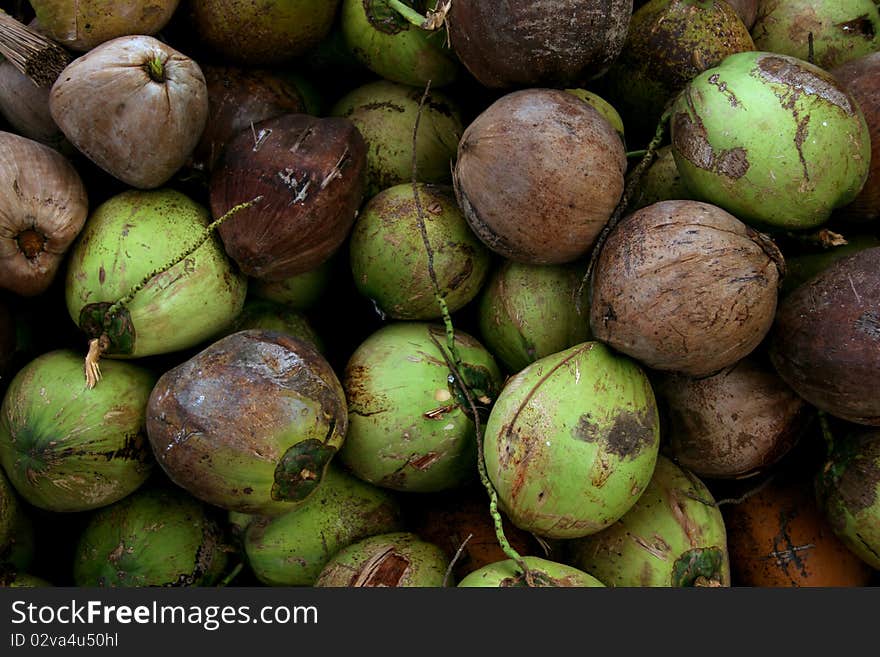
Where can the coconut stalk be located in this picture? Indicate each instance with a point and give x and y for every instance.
(34, 55)
(433, 18)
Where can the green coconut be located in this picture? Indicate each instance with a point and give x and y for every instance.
(661, 182)
(66, 447)
(385, 112)
(409, 426)
(505, 574)
(126, 243)
(528, 312)
(393, 48)
(293, 548)
(398, 559)
(817, 159)
(156, 537)
(260, 314)
(389, 261)
(572, 441)
(250, 423)
(848, 492)
(673, 536)
(841, 30)
(299, 292)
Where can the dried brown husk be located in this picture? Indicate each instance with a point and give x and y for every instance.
(734, 424)
(826, 339)
(310, 174)
(43, 207)
(538, 175)
(684, 286)
(139, 129)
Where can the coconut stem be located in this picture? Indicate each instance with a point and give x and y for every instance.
(32, 54)
(631, 183)
(455, 559)
(155, 69)
(31, 243)
(826, 432)
(226, 581)
(433, 20)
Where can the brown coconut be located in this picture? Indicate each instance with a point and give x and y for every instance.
(530, 44)
(311, 176)
(684, 286)
(826, 339)
(238, 98)
(538, 175)
(861, 78)
(736, 423)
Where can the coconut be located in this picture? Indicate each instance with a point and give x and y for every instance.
(538, 174)
(736, 423)
(309, 174)
(668, 44)
(673, 536)
(84, 24)
(826, 339)
(134, 106)
(848, 492)
(66, 447)
(173, 308)
(410, 427)
(861, 78)
(684, 286)
(291, 549)
(250, 423)
(398, 559)
(25, 106)
(393, 48)
(572, 441)
(43, 208)
(527, 44)
(389, 260)
(156, 537)
(660, 182)
(527, 312)
(817, 160)
(271, 316)
(260, 34)
(779, 537)
(298, 292)
(385, 114)
(602, 106)
(505, 574)
(237, 99)
(830, 31)
(801, 267)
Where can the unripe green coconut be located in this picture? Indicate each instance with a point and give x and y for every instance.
(505, 574)
(572, 441)
(661, 182)
(156, 537)
(841, 30)
(129, 239)
(393, 48)
(385, 113)
(293, 548)
(848, 491)
(66, 447)
(299, 292)
(409, 425)
(673, 536)
(389, 261)
(398, 559)
(528, 312)
(259, 314)
(817, 159)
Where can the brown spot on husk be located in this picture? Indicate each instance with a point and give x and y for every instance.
(693, 144)
(801, 80)
(387, 569)
(631, 433)
(858, 485)
(861, 26)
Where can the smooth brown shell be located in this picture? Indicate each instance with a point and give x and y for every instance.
(861, 78)
(137, 129)
(684, 286)
(779, 537)
(825, 342)
(238, 98)
(311, 174)
(736, 423)
(538, 175)
(43, 207)
(530, 44)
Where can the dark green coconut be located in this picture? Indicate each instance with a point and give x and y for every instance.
(673, 536)
(299, 292)
(389, 260)
(506, 574)
(156, 537)
(293, 548)
(66, 447)
(661, 182)
(398, 559)
(260, 314)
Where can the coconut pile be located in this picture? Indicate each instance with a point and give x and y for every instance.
(436, 293)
